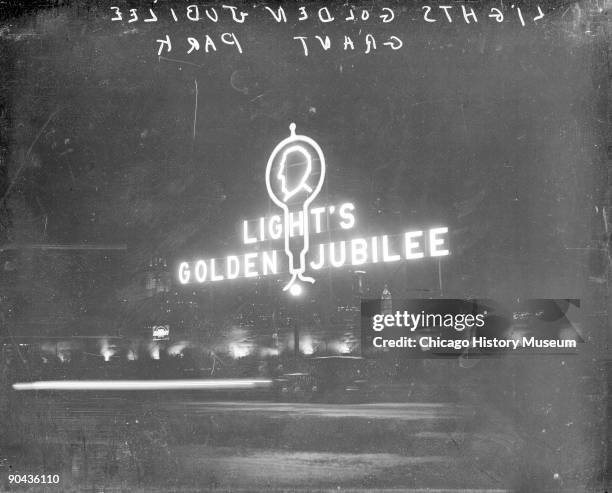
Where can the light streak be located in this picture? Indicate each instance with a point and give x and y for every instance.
(209, 384)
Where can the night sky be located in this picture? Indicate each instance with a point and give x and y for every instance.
(486, 129)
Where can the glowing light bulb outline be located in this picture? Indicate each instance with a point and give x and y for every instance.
(283, 179)
(299, 272)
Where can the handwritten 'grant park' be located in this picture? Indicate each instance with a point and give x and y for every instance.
(365, 42)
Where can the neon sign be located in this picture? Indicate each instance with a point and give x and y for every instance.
(301, 194)
(295, 173)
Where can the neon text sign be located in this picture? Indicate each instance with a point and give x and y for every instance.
(294, 177)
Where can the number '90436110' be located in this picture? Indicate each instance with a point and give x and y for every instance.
(33, 478)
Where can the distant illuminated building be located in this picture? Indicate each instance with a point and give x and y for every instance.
(360, 286)
(386, 307)
(157, 278)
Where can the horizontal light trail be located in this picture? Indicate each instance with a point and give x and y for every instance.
(60, 246)
(210, 384)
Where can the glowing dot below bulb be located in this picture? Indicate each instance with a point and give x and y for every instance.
(295, 290)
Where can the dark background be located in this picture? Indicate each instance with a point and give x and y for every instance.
(492, 129)
(496, 130)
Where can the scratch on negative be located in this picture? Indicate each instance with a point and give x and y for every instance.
(195, 109)
(27, 156)
(180, 62)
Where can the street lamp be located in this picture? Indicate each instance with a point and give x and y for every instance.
(296, 289)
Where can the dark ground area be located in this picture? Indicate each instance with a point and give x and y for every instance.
(429, 437)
